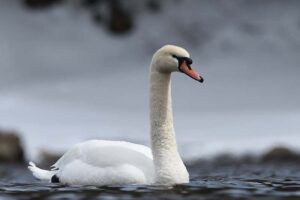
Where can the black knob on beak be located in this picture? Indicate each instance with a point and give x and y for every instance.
(188, 61)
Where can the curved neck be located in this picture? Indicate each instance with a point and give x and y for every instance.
(161, 115)
(168, 165)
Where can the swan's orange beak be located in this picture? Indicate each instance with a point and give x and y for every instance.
(188, 70)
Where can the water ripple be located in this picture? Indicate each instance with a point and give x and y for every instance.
(221, 182)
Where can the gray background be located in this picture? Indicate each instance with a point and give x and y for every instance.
(64, 80)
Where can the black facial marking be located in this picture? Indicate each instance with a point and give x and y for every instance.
(54, 179)
(188, 60)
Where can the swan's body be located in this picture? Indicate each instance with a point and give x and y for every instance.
(100, 162)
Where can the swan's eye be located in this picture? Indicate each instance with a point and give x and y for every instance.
(179, 59)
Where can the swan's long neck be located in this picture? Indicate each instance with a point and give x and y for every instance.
(169, 167)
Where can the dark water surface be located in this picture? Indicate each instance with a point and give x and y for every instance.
(208, 181)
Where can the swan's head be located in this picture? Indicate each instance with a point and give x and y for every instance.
(172, 58)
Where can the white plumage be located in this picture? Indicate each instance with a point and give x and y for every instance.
(100, 162)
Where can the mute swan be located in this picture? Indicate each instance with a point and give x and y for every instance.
(100, 162)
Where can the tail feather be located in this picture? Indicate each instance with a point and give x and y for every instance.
(40, 173)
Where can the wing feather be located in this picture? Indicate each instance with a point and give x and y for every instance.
(103, 153)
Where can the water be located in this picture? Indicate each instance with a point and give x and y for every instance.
(208, 181)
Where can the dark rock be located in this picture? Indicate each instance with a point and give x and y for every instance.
(40, 4)
(90, 3)
(48, 158)
(224, 159)
(279, 154)
(11, 149)
(120, 20)
(154, 5)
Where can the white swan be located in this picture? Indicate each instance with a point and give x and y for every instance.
(100, 162)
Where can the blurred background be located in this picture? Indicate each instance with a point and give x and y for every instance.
(77, 70)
